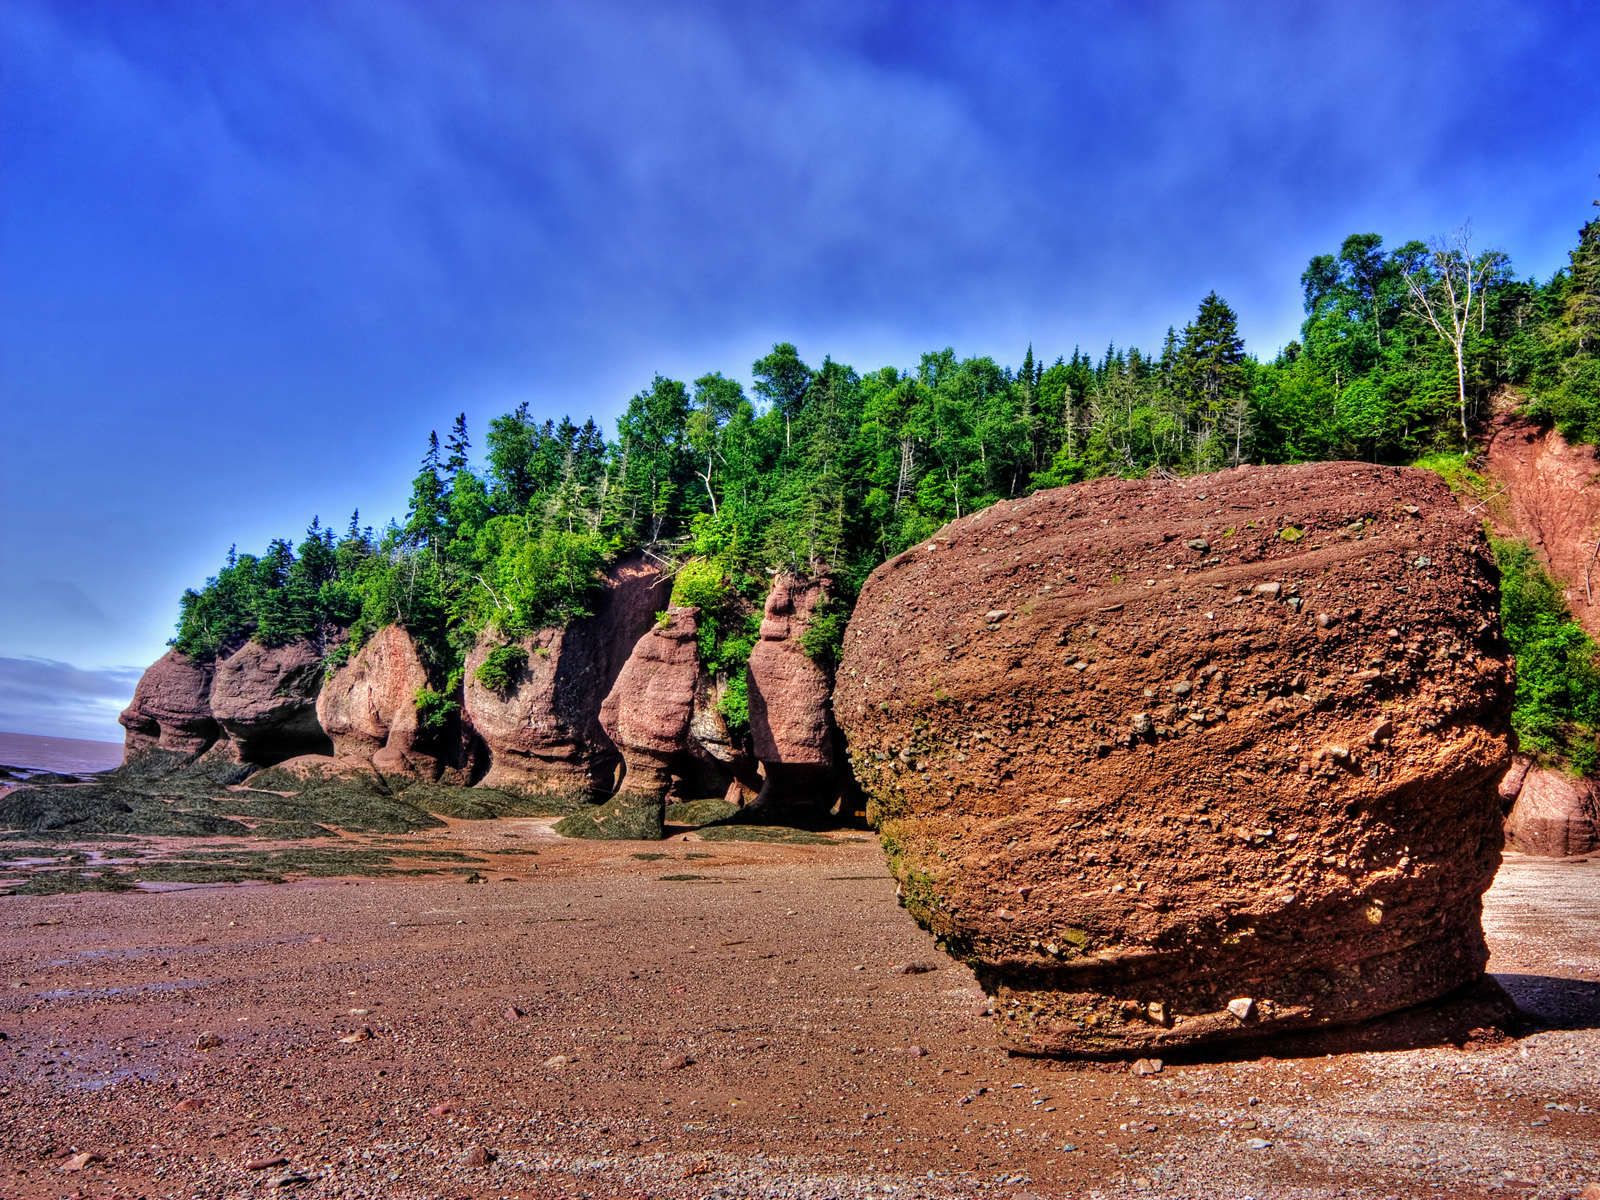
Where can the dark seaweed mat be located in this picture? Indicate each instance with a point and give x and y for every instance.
(188, 804)
(761, 833)
(242, 866)
(76, 811)
(700, 812)
(56, 883)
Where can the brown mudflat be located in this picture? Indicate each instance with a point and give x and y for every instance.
(696, 1018)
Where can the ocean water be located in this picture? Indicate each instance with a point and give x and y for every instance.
(68, 756)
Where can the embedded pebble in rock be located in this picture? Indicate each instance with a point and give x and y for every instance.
(1243, 1008)
(1309, 802)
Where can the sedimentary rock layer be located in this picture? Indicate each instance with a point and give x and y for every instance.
(1551, 499)
(368, 707)
(1175, 761)
(1554, 814)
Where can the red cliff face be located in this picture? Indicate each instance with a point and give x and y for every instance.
(543, 732)
(1179, 761)
(171, 709)
(265, 699)
(1551, 499)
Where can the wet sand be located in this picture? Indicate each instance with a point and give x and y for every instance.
(694, 1019)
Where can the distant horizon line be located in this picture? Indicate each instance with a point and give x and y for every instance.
(58, 737)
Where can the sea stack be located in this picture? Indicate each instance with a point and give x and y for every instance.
(1177, 761)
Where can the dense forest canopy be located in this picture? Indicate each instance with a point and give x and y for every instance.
(824, 469)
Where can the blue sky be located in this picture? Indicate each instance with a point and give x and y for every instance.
(250, 253)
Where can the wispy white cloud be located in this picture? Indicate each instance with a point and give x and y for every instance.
(39, 696)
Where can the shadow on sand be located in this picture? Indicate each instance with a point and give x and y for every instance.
(1494, 1010)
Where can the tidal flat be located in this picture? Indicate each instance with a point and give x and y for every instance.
(540, 1016)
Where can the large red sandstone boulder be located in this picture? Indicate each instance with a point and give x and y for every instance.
(1551, 499)
(647, 715)
(543, 732)
(791, 722)
(265, 698)
(368, 709)
(171, 709)
(1178, 761)
(1554, 815)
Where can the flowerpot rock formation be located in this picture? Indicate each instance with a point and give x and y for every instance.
(791, 719)
(1179, 761)
(543, 732)
(368, 709)
(171, 710)
(646, 715)
(265, 699)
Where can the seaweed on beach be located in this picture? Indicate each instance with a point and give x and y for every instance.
(762, 833)
(700, 812)
(58, 882)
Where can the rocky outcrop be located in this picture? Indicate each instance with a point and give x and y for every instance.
(1554, 814)
(171, 710)
(791, 723)
(719, 762)
(647, 715)
(543, 731)
(368, 709)
(1551, 499)
(1180, 761)
(265, 699)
